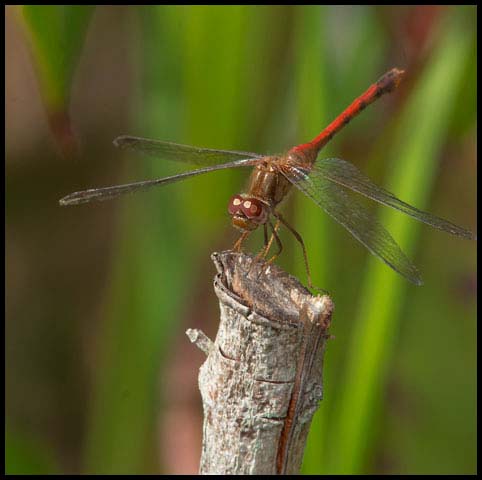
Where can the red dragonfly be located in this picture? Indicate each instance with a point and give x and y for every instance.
(328, 182)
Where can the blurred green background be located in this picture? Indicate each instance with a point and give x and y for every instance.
(100, 377)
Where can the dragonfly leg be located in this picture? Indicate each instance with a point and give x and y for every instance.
(263, 252)
(267, 244)
(265, 233)
(305, 256)
(239, 242)
(278, 241)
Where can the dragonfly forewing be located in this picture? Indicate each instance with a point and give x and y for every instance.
(181, 153)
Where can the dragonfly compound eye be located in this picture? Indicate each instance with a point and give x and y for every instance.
(254, 210)
(234, 205)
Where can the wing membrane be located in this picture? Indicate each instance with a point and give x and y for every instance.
(106, 193)
(181, 153)
(347, 210)
(346, 174)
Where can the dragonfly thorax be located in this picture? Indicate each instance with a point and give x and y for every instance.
(247, 212)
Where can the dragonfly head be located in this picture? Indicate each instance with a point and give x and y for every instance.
(247, 212)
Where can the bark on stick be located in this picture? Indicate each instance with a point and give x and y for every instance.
(262, 380)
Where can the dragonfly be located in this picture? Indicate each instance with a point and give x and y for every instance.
(333, 184)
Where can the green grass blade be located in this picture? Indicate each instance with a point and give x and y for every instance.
(311, 105)
(56, 34)
(164, 234)
(149, 284)
(420, 136)
(322, 91)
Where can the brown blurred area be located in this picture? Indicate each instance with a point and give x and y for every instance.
(53, 294)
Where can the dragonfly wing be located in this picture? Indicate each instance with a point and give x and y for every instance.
(181, 153)
(346, 174)
(106, 193)
(347, 210)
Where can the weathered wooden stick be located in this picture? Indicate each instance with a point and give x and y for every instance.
(262, 380)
